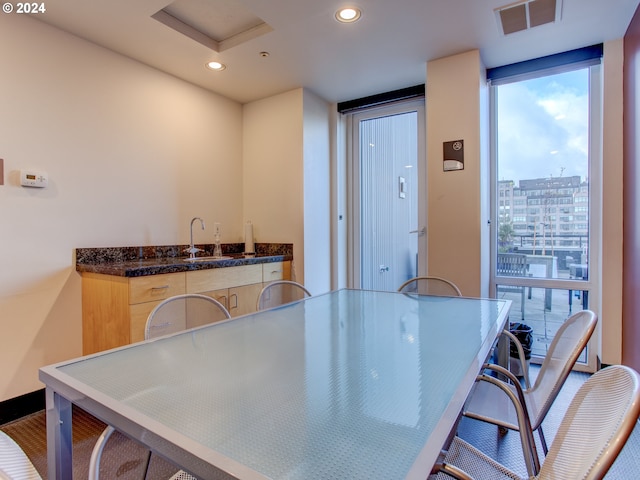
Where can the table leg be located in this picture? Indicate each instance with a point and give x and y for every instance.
(59, 437)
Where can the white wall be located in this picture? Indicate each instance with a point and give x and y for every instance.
(286, 176)
(455, 220)
(317, 193)
(132, 154)
(273, 153)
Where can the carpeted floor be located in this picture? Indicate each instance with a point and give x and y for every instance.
(125, 459)
(122, 458)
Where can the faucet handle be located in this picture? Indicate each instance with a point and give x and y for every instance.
(193, 250)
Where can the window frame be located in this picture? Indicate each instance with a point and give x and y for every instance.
(592, 284)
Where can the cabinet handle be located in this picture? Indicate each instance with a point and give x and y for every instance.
(223, 300)
(233, 295)
(162, 287)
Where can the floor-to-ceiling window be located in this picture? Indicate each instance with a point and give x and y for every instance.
(546, 192)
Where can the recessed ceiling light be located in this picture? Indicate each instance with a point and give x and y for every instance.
(217, 66)
(348, 14)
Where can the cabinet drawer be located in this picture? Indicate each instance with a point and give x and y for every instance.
(155, 287)
(276, 271)
(217, 278)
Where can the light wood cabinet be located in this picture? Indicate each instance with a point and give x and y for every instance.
(200, 281)
(243, 285)
(115, 309)
(238, 300)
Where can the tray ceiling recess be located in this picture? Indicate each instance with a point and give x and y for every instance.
(520, 16)
(216, 24)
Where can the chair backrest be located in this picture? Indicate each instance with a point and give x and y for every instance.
(596, 426)
(426, 285)
(567, 344)
(182, 312)
(279, 293)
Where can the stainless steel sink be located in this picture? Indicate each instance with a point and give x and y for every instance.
(206, 259)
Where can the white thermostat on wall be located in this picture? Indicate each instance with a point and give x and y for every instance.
(34, 178)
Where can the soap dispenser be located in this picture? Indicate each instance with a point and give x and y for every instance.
(217, 249)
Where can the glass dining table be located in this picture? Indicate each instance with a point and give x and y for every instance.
(348, 384)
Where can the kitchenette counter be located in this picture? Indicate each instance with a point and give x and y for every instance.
(122, 285)
(143, 261)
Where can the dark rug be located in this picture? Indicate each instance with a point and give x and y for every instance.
(122, 458)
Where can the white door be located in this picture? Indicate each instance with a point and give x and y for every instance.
(387, 196)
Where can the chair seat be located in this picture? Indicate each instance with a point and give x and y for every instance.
(14, 463)
(489, 404)
(182, 475)
(469, 459)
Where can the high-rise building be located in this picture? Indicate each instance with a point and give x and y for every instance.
(543, 215)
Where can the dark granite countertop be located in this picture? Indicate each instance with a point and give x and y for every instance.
(141, 261)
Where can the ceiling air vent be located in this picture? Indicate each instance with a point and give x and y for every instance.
(528, 14)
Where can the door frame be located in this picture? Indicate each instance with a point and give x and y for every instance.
(353, 184)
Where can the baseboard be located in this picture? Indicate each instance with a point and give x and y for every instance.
(21, 406)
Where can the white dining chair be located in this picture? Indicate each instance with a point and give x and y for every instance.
(281, 292)
(429, 285)
(593, 431)
(490, 404)
(182, 312)
(174, 314)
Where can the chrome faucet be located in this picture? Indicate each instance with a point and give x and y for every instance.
(192, 249)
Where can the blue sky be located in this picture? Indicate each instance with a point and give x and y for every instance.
(543, 127)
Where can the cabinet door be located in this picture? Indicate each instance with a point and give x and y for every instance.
(221, 295)
(242, 300)
(138, 319)
(105, 312)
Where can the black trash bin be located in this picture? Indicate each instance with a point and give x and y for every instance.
(524, 333)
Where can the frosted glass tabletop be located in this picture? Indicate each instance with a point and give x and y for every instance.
(351, 384)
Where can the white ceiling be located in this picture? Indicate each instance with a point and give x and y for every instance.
(387, 49)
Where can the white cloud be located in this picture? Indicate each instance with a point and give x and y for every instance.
(543, 127)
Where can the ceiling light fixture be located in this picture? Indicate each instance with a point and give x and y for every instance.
(217, 66)
(348, 14)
